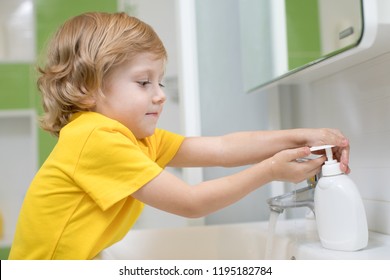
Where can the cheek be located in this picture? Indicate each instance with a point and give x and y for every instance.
(118, 100)
(129, 108)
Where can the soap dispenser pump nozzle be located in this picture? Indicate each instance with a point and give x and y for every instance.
(329, 154)
(331, 166)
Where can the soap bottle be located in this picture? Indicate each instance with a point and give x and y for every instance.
(339, 210)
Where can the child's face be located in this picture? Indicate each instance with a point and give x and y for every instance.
(133, 94)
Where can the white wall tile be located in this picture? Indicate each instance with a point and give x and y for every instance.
(378, 216)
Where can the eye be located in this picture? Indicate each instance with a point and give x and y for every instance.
(143, 83)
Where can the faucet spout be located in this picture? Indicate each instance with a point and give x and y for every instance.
(303, 197)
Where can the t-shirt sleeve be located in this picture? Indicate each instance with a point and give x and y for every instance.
(112, 167)
(168, 143)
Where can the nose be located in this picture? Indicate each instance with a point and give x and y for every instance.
(159, 96)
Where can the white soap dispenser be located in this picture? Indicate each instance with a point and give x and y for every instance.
(339, 210)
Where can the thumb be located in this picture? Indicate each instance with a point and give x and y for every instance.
(298, 153)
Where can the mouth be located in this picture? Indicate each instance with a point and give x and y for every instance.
(155, 112)
(152, 114)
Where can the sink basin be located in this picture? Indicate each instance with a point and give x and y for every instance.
(293, 239)
(236, 241)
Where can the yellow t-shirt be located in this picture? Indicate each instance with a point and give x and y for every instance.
(80, 200)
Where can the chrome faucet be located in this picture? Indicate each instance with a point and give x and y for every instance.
(303, 197)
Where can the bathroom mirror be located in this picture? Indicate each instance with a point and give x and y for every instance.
(17, 31)
(280, 37)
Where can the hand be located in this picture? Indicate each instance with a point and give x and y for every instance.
(285, 167)
(327, 136)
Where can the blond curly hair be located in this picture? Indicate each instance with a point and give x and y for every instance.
(81, 54)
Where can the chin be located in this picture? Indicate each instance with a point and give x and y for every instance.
(144, 134)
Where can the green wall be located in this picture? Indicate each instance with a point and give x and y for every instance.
(18, 81)
(303, 32)
(16, 86)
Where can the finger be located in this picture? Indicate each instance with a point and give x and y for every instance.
(335, 137)
(315, 164)
(308, 169)
(343, 156)
(345, 168)
(314, 167)
(341, 140)
(344, 164)
(298, 153)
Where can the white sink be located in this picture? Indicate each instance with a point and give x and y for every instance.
(294, 239)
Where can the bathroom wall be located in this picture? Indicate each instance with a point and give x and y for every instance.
(225, 106)
(356, 101)
(17, 26)
(18, 164)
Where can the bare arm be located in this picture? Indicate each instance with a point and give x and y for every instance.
(168, 193)
(244, 148)
(273, 154)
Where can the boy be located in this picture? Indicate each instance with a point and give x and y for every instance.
(102, 95)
